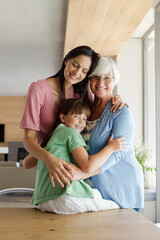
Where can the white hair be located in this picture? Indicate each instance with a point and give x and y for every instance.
(106, 65)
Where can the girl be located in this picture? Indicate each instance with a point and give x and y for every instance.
(66, 143)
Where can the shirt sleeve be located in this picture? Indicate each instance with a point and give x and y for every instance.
(123, 126)
(34, 103)
(75, 140)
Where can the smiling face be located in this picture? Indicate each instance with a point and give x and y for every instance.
(76, 69)
(102, 85)
(77, 121)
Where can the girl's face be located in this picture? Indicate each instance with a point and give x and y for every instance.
(102, 85)
(76, 69)
(77, 121)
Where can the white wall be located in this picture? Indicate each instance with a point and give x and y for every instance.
(130, 88)
(31, 42)
(130, 84)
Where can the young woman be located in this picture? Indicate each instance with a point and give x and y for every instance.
(66, 143)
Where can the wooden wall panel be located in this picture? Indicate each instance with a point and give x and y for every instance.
(11, 111)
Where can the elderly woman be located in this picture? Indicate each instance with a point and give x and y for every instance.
(120, 179)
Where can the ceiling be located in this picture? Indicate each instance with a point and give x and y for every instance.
(34, 36)
(105, 25)
(144, 26)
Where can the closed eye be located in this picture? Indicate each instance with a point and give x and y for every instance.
(85, 71)
(75, 64)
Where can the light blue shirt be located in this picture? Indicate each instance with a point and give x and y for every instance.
(121, 178)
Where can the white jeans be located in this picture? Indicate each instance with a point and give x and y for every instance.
(68, 204)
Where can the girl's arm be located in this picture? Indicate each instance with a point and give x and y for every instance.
(58, 169)
(90, 164)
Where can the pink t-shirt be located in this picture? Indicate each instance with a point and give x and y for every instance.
(40, 110)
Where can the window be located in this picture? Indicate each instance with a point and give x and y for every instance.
(149, 105)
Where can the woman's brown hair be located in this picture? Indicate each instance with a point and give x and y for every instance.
(80, 89)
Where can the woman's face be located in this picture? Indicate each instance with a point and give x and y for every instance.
(102, 85)
(76, 69)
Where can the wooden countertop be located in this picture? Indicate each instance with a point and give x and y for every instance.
(119, 224)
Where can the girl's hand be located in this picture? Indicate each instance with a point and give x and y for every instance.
(117, 103)
(117, 144)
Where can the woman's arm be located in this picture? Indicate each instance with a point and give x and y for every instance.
(29, 162)
(58, 169)
(77, 173)
(89, 164)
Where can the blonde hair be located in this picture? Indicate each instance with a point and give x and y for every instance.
(106, 65)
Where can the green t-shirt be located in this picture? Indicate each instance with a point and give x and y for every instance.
(61, 144)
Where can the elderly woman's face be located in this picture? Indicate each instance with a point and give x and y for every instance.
(102, 85)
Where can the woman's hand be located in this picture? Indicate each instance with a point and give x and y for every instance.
(76, 172)
(117, 103)
(117, 144)
(60, 171)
